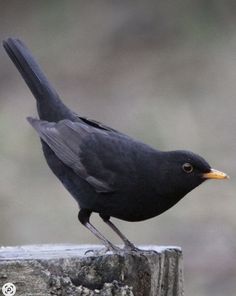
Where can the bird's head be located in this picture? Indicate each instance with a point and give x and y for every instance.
(186, 170)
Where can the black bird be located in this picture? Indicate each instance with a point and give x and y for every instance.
(106, 171)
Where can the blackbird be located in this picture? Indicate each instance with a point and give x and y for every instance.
(106, 171)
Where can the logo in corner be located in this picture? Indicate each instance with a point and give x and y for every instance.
(8, 289)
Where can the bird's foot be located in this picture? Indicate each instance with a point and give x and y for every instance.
(135, 249)
(130, 247)
(99, 252)
(111, 248)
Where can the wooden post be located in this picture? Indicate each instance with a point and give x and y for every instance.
(43, 270)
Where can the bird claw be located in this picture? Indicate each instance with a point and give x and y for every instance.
(102, 251)
(114, 249)
(128, 248)
(132, 249)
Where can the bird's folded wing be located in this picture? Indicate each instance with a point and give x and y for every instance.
(98, 124)
(68, 140)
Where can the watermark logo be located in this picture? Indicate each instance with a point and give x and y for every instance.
(8, 289)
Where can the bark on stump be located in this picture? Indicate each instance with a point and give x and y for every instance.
(66, 270)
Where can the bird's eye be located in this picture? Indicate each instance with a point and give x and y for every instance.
(187, 167)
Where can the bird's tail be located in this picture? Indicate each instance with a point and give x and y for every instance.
(48, 101)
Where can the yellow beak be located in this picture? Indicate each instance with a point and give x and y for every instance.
(214, 174)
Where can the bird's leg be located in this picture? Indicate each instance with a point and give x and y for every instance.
(128, 245)
(83, 217)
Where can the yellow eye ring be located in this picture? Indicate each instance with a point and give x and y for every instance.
(187, 167)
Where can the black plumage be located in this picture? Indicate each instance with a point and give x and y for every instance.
(104, 170)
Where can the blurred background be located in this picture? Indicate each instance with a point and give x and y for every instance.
(162, 71)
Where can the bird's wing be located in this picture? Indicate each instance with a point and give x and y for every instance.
(98, 124)
(75, 143)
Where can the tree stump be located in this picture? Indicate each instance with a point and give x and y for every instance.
(45, 270)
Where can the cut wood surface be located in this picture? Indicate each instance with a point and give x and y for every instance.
(72, 270)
